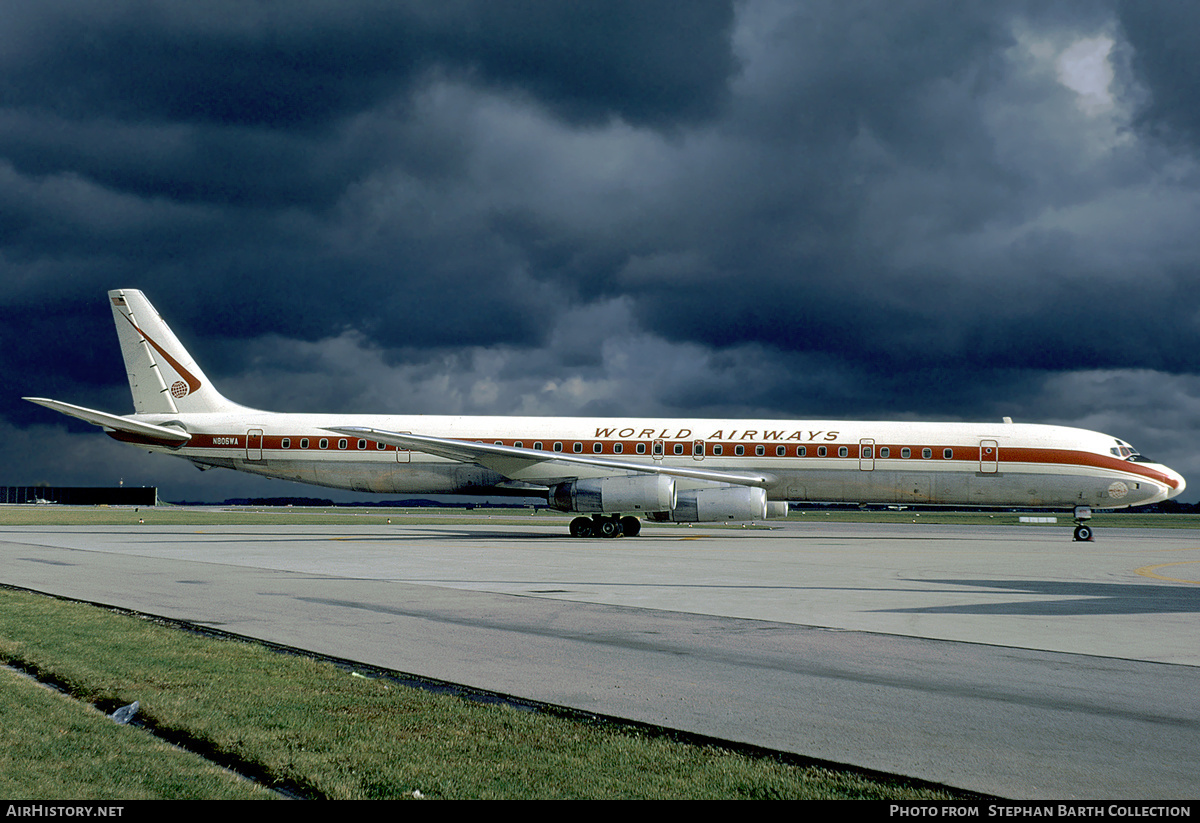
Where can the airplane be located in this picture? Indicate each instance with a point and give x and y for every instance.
(613, 472)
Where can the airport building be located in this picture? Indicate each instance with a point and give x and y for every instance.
(81, 495)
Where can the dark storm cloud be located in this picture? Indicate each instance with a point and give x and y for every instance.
(233, 102)
(844, 209)
(774, 224)
(233, 129)
(895, 216)
(282, 66)
(1163, 37)
(36, 336)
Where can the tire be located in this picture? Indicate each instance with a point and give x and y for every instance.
(631, 526)
(581, 527)
(1083, 533)
(609, 528)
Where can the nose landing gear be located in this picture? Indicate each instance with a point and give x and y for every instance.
(1083, 532)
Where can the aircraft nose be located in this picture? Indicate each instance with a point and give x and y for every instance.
(1179, 483)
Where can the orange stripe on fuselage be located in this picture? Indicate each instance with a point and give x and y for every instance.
(961, 454)
(192, 381)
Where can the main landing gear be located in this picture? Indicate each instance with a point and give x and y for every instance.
(602, 525)
(1083, 532)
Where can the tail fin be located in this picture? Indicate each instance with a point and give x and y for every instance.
(163, 377)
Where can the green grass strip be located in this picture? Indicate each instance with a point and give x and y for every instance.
(54, 748)
(319, 730)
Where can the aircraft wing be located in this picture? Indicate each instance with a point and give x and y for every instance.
(112, 421)
(508, 460)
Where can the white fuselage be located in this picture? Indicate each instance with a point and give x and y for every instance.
(1001, 464)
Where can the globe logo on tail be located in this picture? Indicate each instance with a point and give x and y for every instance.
(180, 388)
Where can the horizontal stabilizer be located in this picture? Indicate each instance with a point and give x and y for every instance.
(115, 422)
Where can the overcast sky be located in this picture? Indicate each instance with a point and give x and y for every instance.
(863, 210)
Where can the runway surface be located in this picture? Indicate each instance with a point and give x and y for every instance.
(1004, 660)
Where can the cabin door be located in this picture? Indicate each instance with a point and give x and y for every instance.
(989, 456)
(866, 454)
(254, 444)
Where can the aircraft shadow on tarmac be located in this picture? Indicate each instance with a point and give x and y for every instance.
(216, 537)
(1084, 598)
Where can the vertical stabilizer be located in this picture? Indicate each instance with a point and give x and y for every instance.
(163, 377)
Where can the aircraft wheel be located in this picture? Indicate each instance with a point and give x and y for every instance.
(581, 527)
(631, 526)
(609, 527)
(1083, 533)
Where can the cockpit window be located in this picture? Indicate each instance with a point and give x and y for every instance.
(1128, 452)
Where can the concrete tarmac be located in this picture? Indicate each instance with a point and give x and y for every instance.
(1003, 660)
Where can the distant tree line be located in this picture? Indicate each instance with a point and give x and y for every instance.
(1169, 507)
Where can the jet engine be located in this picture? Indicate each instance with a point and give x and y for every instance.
(636, 493)
(777, 509)
(733, 503)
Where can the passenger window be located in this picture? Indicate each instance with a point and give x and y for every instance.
(286, 443)
(739, 450)
(801, 451)
(597, 448)
(558, 447)
(323, 443)
(760, 450)
(926, 453)
(304, 442)
(577, 448)
(362, 444)
(618, 448)
(822, 451)
(537, 446)
(843, 451)
(717, 449)
(884, 452)
(866, 452)
(641, 448)
(906, 452)
(342, 443)
(948, 454)
(679, 448)
(780, 451)
(517, 444)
